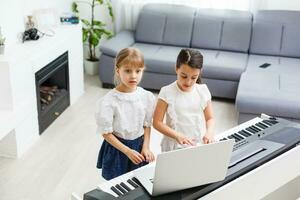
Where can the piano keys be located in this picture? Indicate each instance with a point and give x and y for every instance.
(257, 142)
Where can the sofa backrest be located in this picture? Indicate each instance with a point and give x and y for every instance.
(165, 24)
(222, 29)
(276, 32)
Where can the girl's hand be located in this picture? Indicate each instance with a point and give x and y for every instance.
(148, 155)
(135, 156)
(182, 139)
(208, 138)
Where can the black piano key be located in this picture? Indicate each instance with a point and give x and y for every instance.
(273, 121)
(244, 133)
(231, 137)
(260, 126)
(135, 180)
(267, 122)
(223, 139)
(132, 183)
(255, 128)
(120, 188)
(264, 123)
(115, 190)
(125, 186)
(250, 130)
(238, 136)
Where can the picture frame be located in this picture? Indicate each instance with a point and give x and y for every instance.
(46, 18)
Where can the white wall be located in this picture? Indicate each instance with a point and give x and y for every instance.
(283, 4)
(13, 14)
(11, 19)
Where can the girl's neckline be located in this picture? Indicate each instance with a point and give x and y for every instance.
(184, 92)
(126, 93)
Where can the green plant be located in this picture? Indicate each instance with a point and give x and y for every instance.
(93, 30)
(2, 39)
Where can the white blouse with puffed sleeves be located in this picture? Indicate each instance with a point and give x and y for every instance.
(125, 114)
(185, 112)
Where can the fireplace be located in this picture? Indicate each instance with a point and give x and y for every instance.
(52, 90)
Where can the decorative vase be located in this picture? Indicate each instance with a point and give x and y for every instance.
(2, 47)
(91, 67)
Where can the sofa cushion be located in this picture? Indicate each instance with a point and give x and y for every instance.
(275, 32)
(291, 40)
(147, 49)
(266, 38)
(292, 62)
(165, 24)
(207, 33)
(222, 29)
(280, 65)
(178, 29)
(150, 27)
(122, 40)
(270, 93)
(225, 66)
(163, 61)
(254, 61)
(236, 35)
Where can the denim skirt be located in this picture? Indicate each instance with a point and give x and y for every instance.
(115, 163)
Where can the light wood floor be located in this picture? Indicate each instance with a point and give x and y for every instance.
(64, 158)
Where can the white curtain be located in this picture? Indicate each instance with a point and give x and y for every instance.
(127, 11)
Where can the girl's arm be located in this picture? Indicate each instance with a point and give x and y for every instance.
(210, 123)
(149, 156)
(158, 117)
(133, 155)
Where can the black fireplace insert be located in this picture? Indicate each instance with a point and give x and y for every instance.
(52, 90)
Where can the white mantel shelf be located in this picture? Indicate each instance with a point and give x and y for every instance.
(18, 104)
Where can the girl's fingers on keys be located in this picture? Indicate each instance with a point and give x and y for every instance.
(189, 142)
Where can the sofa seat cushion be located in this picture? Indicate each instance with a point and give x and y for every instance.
(163, 61)
(281, 65)
(225, 65)
(147, 49)
(122, 40)
(269, 92)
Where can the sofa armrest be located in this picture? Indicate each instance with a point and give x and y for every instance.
(122, 40)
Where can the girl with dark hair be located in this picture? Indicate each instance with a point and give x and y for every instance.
(186, 104)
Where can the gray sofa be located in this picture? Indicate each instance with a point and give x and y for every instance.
(274, 90)
(234, 44)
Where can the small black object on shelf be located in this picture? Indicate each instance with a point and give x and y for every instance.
(30, 34)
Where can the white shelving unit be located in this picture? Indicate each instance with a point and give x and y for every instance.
(18, 104)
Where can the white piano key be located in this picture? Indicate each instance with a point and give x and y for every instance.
(106, 188)
(124, 179)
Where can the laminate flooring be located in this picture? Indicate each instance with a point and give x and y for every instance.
(63, 159)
